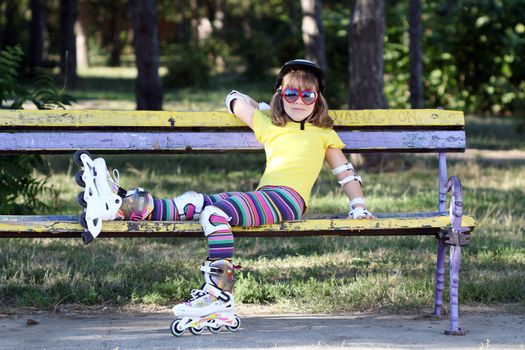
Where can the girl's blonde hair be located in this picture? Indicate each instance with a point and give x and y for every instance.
(302, 80)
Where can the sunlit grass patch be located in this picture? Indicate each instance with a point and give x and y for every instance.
(302, 273)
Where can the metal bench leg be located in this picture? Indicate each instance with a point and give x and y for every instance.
(456, 239)
(455, 262)
(440, 277)
(440, 262)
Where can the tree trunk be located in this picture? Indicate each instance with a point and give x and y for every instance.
(146, 43)
(1, 26)
(416, 60)
(194, 5)
(81, 33)
(216, 12)
(366, 35)
(366, 68)
(68, 51)
(116, 28)
(313, 33)
(38, 28)
(9, 34)
(218, 18)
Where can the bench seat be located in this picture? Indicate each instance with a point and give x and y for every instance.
(331, 225)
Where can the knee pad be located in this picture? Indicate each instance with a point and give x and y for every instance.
(136, 205)
(189, 205)
(213, 219)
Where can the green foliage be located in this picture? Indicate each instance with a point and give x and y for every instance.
(43, 92)
(10, 60)
(258, 53)
(336, 19)
(263, 34)
(473, 51)
(188, 65)
(474, 54)
(19, 189)
(46, 94)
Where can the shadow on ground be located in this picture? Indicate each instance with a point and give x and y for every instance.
(151, 331)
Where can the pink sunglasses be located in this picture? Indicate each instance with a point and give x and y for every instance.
(291, 95)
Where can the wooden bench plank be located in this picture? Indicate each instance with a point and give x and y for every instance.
(15, 226)
(175, 119)
(209, 142)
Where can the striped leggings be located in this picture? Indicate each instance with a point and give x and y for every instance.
(268, 205)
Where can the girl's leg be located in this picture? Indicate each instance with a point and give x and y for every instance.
(215, 300)
(187, 206)
(248, 209)
(140, 205)
(266, 206)
(184, 207)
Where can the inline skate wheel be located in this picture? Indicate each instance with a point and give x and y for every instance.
(82, 220)
(81, 201)
(87, 237)
(236, 325)
(78, 154)
(196, 331)
(215, 330)
(79, 180)
(175, 328)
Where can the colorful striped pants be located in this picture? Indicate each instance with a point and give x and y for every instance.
(268, 205)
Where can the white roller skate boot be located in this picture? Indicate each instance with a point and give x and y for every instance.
(212, 306)
(101, 197)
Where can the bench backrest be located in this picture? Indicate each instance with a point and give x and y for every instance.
(63, 131)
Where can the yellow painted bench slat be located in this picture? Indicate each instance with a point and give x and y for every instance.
(309, 225)
(176, 119)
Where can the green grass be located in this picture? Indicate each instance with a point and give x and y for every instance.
(315, 273)
(320, 274)
(501, 133)
(114, 88)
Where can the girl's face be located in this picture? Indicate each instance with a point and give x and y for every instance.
(299, 110)
(299, 93)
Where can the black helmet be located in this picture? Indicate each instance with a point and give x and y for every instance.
(301, 64)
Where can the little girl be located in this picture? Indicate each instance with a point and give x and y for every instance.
(297, 136)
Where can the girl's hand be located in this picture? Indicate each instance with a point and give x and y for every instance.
(236, 95)
(243, 106)
(360, 213)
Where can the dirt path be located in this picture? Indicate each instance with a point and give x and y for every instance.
(486, 329)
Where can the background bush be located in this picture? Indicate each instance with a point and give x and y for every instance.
(19, 187)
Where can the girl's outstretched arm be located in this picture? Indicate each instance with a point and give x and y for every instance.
(242, 106)
(350, 182)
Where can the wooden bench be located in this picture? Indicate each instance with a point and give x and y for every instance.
(401, 131)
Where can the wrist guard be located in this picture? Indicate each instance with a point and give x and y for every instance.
(234, 95)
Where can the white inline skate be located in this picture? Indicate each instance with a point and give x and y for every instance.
(212, 306)
(101, 197)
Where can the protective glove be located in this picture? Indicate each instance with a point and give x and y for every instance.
(358, 212)
(234, 95)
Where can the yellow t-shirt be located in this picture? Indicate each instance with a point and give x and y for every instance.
(294, 157)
